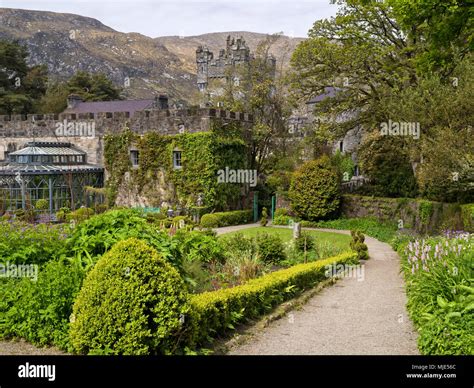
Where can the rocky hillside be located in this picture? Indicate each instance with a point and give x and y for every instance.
(67, 43)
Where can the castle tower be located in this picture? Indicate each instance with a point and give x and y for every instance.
(203, 58)
(236, 53)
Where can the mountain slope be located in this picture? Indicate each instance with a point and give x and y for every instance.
(67, 43)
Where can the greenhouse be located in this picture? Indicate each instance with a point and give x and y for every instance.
(47, 177)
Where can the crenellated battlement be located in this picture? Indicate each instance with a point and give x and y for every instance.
(159, 113)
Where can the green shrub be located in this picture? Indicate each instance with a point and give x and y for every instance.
(155, 217)
(24, 215)
(42, 204)
(386, 161)
(238, 243)
(80, 214)
(467, 214)
(100, 208)
(62, 213)
(269, 248)
(357, 245)
(217, 220)
(216, 312)
(97, 235)
(39, 310)
(132, 302)
(314, 190)
(305, 242)
(23, 243)
(282, 220)
(264, 218)
(425, 211)
(281, 212)
(198, 246)
(182, 220)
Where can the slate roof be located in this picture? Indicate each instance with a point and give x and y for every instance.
(329, 92)
(111, 106)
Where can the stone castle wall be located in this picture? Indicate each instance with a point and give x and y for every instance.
(87, 130)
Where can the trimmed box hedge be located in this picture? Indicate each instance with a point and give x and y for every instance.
(216, 311)
(217, 220)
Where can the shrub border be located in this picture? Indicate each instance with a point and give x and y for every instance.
(214, 312)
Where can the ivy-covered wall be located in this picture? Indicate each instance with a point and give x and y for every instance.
(420, 215)
(155, 182)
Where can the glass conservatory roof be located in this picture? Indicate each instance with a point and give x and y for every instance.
(47, 150)
(47, 158)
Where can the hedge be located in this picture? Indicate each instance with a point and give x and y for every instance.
(467, 214)
(216, 311)
(217, 220)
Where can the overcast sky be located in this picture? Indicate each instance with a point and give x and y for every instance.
(192, 17)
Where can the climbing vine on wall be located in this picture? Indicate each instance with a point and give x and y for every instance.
(202, 155)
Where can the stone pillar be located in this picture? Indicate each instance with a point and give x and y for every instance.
(296, 230)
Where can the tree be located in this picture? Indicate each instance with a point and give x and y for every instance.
(363, 53)
(442, 29)
(314, 191)
(55, 99)
(21, 86)
(386, 161)
(93, 87)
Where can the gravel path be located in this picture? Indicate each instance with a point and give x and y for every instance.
(363, 317)
(23, 348)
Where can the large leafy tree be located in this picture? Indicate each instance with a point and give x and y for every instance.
(21, 86)
(442, 31)
(363, 53)
(93, 87)
(394, 61)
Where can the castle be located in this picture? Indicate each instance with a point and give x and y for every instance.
(235, 54)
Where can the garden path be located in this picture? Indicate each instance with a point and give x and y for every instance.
(351, 317)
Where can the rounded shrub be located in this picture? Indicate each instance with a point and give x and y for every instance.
(314, 190)
(80, 214)
(42, 204)
(270, 248)
(132, 302)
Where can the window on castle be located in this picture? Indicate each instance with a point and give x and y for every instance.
(341, 146)
(177, 159)
(134, 157)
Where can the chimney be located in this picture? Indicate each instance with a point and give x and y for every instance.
(73, 100)
(161, 101)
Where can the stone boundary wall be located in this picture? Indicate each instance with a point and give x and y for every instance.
(421, 215)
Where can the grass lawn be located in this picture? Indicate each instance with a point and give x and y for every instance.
(337, 240)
